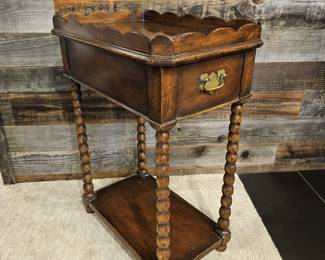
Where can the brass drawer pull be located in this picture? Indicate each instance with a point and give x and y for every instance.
(213, 81)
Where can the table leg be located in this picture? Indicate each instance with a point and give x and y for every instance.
(83, 148)
(142, 148)
(162, 195)
(229, 177)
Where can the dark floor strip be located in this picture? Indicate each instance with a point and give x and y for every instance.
(316, 178)
(291, 211)
(311, 186)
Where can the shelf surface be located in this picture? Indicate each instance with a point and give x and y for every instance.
(129, 208)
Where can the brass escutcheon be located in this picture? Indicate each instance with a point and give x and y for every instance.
(213, 81)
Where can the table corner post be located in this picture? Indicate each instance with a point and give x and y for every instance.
(229, 176)
(163, 192)
(82, 138)
(141, 147)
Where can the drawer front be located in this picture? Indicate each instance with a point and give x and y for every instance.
(208, 84)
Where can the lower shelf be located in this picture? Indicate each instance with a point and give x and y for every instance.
(128, 207)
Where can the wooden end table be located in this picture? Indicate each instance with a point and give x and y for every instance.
(163, 68)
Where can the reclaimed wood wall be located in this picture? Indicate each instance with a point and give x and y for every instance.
(285, 121)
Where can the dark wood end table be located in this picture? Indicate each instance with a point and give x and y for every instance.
(163, 68)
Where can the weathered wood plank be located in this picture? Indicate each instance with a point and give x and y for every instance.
(243, 169)
(195, 160)
(29, 79)
(124, 159)
(194, 132)
(294, 45)
(301, 153)
(289, 76)
(253, 131)
(6, 170)
(56, 108)
(26, 16)
(313, 104)
(283, 13)
(29, 49)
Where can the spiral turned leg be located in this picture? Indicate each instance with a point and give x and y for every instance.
(162, 193)
(229, 177)
(142, 148)
(83, 148)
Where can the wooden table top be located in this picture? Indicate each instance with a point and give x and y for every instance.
(167, 35)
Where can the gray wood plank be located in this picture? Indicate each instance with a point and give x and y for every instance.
(6, 169)
(124, 159)
(30, 79)
(26, 16)
(313, 104)
(294, 45)
(29, 49)
(289, 76)
(194, 132)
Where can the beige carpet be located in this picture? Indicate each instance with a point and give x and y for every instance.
(40, 221)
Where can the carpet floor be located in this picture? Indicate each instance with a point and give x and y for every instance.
(46, 220)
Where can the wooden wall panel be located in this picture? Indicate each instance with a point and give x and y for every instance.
(29, 49)
(301, 153)
(6, 170)
(122, 160)
(289, 76)
(36, 129)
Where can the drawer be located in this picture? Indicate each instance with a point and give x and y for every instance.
(208, 84)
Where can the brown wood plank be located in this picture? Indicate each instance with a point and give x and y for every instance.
(56, 108)
(6, 169)
(289, 76)
(300, 153)
(67, 177)
(245, 169)
(136, 220)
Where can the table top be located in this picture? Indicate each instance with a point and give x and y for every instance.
(152, 33)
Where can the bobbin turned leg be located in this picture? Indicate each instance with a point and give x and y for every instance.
(229, 177)
(162, 194)
(83, 148)
(142, 148)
